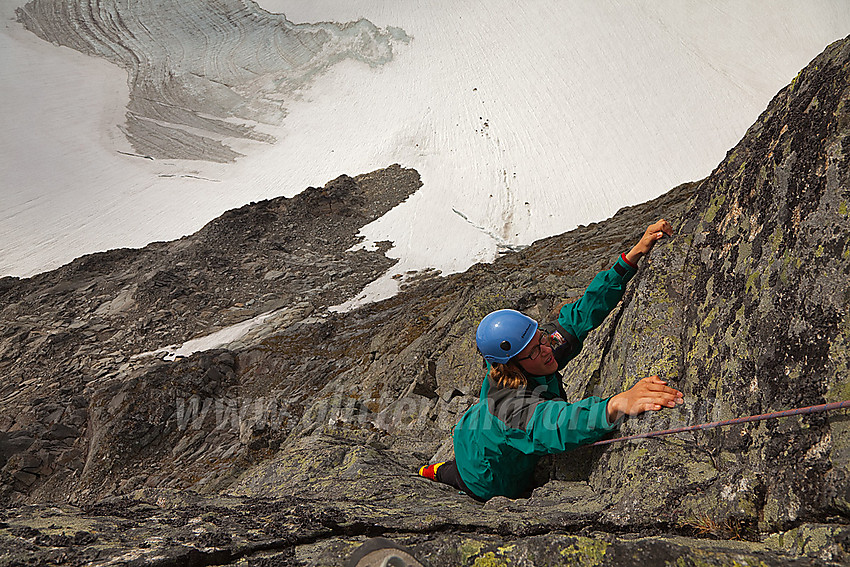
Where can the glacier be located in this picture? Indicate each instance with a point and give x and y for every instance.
(524, 119)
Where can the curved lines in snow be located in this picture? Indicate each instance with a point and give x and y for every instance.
(194, 64)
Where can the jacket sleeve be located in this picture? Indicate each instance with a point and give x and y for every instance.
(601, 296)
(557, 426)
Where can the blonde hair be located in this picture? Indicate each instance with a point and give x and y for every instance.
(508, 375)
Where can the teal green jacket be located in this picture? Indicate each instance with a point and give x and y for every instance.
(499, 440)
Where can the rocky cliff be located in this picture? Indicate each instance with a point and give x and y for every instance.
(294, 444)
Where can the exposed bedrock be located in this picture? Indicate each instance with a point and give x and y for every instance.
(302, 439)
(68, 336)
(200, 71)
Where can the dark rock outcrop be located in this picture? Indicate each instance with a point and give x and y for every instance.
(302, 440)
(747, 312)
(69, 336)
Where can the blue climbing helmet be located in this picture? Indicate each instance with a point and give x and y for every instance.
(502, 334)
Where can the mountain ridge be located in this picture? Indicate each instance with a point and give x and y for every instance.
(314, 425)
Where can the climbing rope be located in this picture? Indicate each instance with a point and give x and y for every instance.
(713, 424)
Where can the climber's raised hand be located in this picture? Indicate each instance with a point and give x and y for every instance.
(650, 394)
(653, 234)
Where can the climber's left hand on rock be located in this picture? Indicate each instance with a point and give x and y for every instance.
(653, 234)
(650, 394)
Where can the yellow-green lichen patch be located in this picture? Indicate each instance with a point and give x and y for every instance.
(775, 239)
(751, 281)
(709, 319)
(843, 116)
(807, 539)
(489, 559)
(469, 548)
(666, 362)
(702, 345)
(787, 268)
(795, 80)
(55, 524)
(474, 551)
(745, 256)
(713, 207)
(839, 387)
(585, 552)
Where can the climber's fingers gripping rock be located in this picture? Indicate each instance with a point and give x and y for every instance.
(655, 232)
(650, 394)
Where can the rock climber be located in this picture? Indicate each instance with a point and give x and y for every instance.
(522, 412)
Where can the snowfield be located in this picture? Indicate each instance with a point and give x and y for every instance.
(524, 120)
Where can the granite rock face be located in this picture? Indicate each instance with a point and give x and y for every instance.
(302, 439)
(746, 311)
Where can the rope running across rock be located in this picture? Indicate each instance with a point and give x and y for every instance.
(785, 413)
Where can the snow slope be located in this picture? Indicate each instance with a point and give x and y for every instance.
(525, 119)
